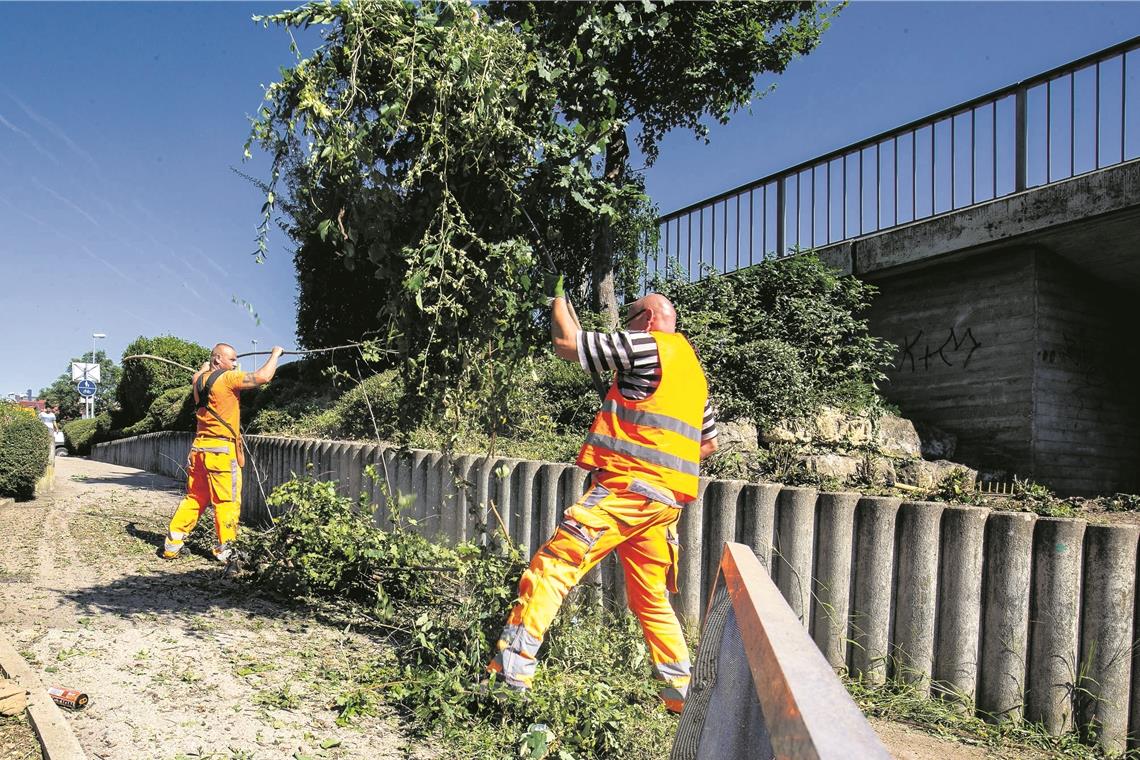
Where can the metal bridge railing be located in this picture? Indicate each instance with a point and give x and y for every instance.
(1069, 121)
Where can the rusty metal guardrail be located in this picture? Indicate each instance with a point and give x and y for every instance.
(761, 688)
(1071, 120)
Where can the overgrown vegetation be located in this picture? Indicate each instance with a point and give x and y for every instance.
(25, 450)
(144, 381)
(904, 703)
(782, 338)
(442, 608)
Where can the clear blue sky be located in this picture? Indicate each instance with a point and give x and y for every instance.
(119, 125)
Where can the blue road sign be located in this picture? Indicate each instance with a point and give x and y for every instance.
(86, 388)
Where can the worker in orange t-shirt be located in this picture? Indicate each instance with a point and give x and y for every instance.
(216, 456)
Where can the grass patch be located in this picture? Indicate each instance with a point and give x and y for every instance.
(903, 703)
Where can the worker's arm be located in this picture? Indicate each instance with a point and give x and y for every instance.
(709, 432)
(563, 327)
(265, 373)
(563, 331)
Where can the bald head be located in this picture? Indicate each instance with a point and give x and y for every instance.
(652, 311)
(223, 356)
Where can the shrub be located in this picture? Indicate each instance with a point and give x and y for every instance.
(782, 337)
(173, 410)
(379, 398)
(143, 381)
(81, 435)
(25, 449)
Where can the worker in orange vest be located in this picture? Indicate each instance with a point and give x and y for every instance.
(643, 451)
(216, 455)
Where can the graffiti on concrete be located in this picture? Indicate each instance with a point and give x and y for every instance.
(954, 351)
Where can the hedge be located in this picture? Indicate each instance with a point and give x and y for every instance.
(25, 450)
(81, 435)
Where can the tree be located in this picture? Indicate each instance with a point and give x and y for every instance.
(64, 394)
(408, 145)
(144, 380)
(645, 68)
(434, 155)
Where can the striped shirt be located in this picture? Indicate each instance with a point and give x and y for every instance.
(633, 355)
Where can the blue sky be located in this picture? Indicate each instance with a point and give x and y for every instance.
(119, 125)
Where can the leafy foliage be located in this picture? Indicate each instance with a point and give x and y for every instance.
(442, 609)
(25, 449)
(63, 394)
(782, 338)
(173, 410)
(144, 381)
(425, 150)
(81, 435)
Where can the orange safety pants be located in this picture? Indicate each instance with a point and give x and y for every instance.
(213, 477)
(615, 514)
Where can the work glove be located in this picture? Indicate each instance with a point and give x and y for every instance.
(553, 286)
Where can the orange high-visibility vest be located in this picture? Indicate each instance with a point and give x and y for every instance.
(658, 439)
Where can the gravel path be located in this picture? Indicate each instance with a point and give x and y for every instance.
(179, 662)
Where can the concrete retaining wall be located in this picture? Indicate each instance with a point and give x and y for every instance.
(1023, 617)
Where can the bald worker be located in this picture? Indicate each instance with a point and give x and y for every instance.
(216, 457)
(643, 452)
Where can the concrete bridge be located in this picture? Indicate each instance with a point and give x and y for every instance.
(1003, 235)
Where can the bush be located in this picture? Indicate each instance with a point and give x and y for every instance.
(25, 450)
(379, 398)
(173, 410)
(781, 338)
(143, 381)
(81, 435)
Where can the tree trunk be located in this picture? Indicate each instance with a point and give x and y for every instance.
(604, 298)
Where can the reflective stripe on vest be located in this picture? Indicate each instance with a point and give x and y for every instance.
(644, 453)
(651, 419)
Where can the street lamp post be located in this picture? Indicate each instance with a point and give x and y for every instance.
(94, 337)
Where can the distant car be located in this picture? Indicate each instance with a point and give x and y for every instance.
(60, 444)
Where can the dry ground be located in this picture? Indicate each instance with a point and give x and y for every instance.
(179, 662)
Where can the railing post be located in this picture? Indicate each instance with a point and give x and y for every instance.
(780, 222)
(1020, 140)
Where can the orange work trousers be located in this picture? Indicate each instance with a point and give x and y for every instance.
(615, 514)
(213, 477)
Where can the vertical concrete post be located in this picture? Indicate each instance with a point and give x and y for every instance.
(419, 508)
(526, 514)
(916, 592)
(688, 601)
(757, 524)
(871, 594)
(956, 642)
(500, 504)
(834, 537)
(1054, 612)
(467, 473)
(792, 548)
(719, 526)
(483, 475)
(325, 464)
(431, 525)
(353, 470)
(1106, 635)
(1005, 614)
(369, 452)
(550, 504)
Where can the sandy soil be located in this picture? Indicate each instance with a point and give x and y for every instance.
(179, 661)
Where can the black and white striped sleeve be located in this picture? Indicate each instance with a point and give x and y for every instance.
(621, 352)
(708, 426)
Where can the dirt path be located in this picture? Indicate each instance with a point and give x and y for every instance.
(179, 661)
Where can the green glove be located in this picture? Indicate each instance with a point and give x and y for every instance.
(553, 286)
